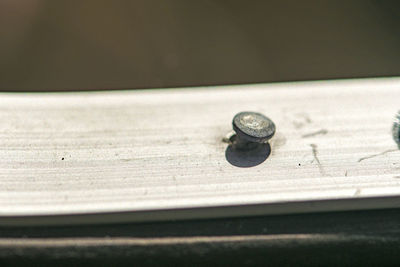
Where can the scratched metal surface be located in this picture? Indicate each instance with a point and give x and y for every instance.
(124, 153)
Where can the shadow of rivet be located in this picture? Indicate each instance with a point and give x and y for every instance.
(247, 158)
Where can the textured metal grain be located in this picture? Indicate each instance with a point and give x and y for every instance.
(162, 151)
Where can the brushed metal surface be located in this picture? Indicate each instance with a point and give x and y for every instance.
(159, 154)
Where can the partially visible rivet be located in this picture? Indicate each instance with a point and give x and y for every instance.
(252, 129)
(396, 129)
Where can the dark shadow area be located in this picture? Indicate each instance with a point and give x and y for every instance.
(345, 222)
(51, 45)
(247, 158)
(352, 238)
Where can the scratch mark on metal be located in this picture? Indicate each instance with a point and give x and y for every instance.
(376, 155)
(315, 152)
(302, 120)
(314, 148)
(322, 131)
(306, 117)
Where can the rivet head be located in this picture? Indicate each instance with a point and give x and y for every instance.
(252, 128)
(396, 129)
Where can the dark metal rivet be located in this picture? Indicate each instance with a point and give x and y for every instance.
(396, 129)
(251, 129)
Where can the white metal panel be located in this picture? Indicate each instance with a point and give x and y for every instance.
(161, 151)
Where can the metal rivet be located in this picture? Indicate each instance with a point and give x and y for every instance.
(252, 129)
(396, 129)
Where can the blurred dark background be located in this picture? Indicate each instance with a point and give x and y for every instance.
(48, 45)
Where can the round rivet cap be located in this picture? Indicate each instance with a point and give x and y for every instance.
(253, 127)
(396, 129)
